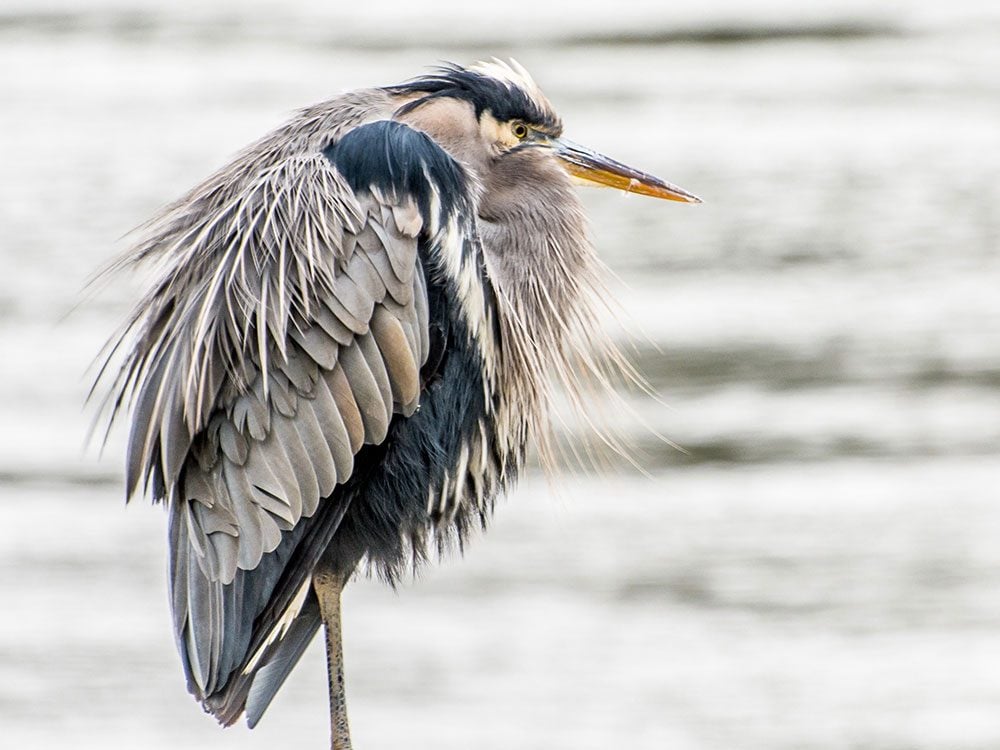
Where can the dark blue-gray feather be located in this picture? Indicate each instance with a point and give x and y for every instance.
(400, 161)
(279, 664)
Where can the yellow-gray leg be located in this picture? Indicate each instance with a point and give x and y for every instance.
(328, 585)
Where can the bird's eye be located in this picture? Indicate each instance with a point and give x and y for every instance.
(520, 130)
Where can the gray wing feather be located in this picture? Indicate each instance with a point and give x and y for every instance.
(401, 290)
(267, 489)
(318, 345)
(250, 413)
(326, 319)
(276, 455)
(397, 353)
(288, 326)
(301, 369)
(373, 358)
(347, 319)
(283, 398)
(175, 439)
(360, 270)
(338, 441)
(317, 447)
(301, 469)
(366, 393)
(234, 444)
(281, 659)
(347, 403)
(355, 305)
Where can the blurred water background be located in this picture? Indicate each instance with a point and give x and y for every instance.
(821, 569)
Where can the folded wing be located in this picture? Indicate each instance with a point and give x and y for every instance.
(287, 330)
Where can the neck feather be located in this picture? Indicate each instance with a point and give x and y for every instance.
(547, 281)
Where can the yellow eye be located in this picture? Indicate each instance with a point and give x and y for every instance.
(520, 130)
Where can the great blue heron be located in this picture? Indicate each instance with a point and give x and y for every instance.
(345, 351)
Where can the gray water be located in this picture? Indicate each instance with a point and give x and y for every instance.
(819, 569)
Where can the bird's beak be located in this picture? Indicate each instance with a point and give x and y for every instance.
(593, 167)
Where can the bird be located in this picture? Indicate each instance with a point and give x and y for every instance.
(352, 334)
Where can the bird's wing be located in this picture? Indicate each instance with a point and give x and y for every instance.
(287, 328)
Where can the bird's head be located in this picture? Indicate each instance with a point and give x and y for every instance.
(494, 118)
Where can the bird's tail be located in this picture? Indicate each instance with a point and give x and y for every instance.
(254, 688)
(240, 640)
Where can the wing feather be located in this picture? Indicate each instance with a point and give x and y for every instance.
(175, 437)
(340, 388)
(301, 369)
(344, 315)
(366, 280)
(399, 356)
(267, 490)
(318, 449)
(327, 319)
(366, 393)
(318, 345)
(289, 326)
(401, 290)
(301, 470)
(377, 367)
(234, 444)
(355, 304)
(337, 438)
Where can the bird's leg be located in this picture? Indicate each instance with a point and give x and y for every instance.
(328, 584)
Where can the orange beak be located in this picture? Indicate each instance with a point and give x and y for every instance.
(593, 167)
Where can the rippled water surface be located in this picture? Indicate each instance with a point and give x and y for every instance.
(820, 567)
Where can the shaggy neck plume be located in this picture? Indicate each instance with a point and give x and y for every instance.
(545, 284)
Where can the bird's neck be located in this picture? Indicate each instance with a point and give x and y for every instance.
(543, 273)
